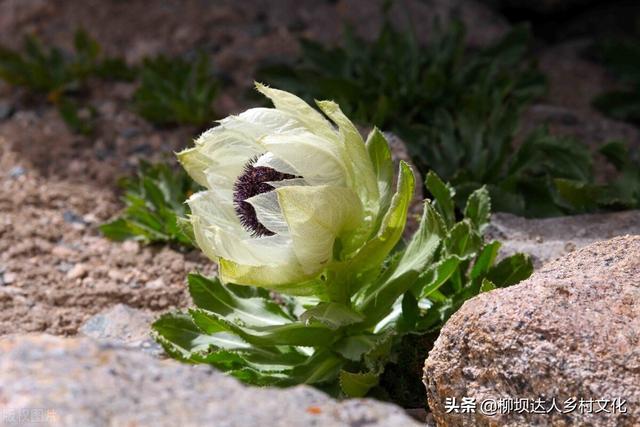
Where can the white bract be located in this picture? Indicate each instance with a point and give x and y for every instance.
(289, 193)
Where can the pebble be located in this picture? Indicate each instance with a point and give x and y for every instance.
(61, 251)
(6, 110)
(130, 132)
(64, 267)
(78, 271)
(17, 171)
(7, 278)
(73, 218)
(131, 246)
(156, 284)
(116, 275)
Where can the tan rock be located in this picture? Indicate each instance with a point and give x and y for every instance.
(77, 272)
(571, 331)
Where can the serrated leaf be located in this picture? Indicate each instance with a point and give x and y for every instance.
(487, 286)
(485, 259)
(176, 91)
(357, 384)
(380, 155)
(292, 333)
(463, 240)
(153, 202)
(436, 276)
(322, 366)
(181, 337)
(116, 230)
(443, 195)
(372, 255)
(478, 209)
(410, 313)
(379, 298)
(334, 315)
(581, 196)
(210, 295)
(511, 270)
(354, 347)
(616, 153)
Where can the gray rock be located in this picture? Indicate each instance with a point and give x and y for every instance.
(17, 171)
(6, 109)
(549, 238)
(123, 325)
(80, 382)
(571, 332)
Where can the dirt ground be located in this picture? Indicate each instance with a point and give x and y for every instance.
(56, 187)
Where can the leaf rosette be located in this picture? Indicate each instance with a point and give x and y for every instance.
(301, 205)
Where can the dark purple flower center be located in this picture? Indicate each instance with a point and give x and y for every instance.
(254, 181)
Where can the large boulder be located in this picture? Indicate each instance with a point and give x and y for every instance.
(79, 382)
(568, 338)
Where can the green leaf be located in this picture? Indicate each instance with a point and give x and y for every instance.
(478, 209)
(181, 337)
(116, 230)
(292, 333)
(209, 294)
(332, 314)
(372, 255)
(176, 91)
(322, 367)
(354, 347)
(485, 259)
(80, 119)
(487, 286)
(380, 155)
(154, 201)
(436, 276)
(357, 384)
(616, 153)
(443, 197)
(376, 300)
(580, 195)
(511, 270)
(410, 313)
(621, 105)
(463, 240)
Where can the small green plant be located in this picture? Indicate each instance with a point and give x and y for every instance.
(343, 348)
(458, 110)
(61, 77)
(394, 81)
(621, 192)
(521, 180)
(622, 57)
(176, 91)
(154, 200)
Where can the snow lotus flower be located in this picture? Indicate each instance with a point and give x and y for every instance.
(294, 196)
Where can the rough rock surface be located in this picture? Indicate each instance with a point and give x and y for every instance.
(549, 238)
(78, 382)
(125, 326)
(572, 330)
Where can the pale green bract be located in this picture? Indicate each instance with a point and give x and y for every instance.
(334, 221)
